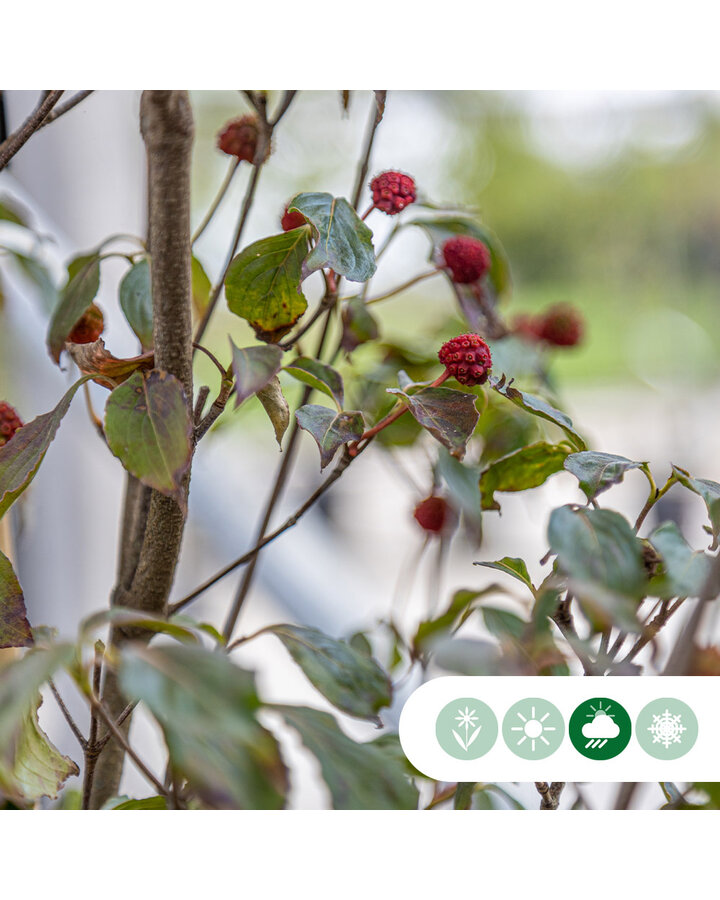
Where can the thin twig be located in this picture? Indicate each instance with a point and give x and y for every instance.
(227, 181)
(550, 793)
(202, 396)
(66, 107)
(120, 719)
(403, 287)
(68, 717)
(120, 738)
(22, 135)
(375, 119)
(211, 356)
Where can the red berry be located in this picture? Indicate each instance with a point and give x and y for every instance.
(292, 220)
(88, 328)
(561, 325)
(467, 258)
(433, 514)
(9, 422)
(527, 326)
(240, 138)
(392, 192)
(467, 358)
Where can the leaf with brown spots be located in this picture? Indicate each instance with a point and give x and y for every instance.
(14, 626)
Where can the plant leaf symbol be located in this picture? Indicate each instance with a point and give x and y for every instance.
(473, 736)
(459, 740)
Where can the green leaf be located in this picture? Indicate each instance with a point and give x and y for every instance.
(254, 367)
(319, 376)
(39, 769)
(597, 472)
(20, 458)
(450, 416)
(462, 482)
(350, 680)
(201, 286)
(37, 273)
(440, 228)
(330, 429)
(263, 284)
(78, 294)
(463, 795)
(708, 490)
(11, 212)
(538, 407)
(359, 776)
(359, 324)
(512, 566)
(503, 624)
(467, 656)
(121, 616)
(148, 428)
(598, 546)
(526, 468)
(462, 605)
(206, 707)
(136, 301)
(20, 683)
(276, 406)
(686, 571)
(14, 625)
(146, 803)
(343, 241)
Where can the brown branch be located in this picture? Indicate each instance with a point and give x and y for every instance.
(66, 107)
(167, 129)
(227, 181)
(375, 119)
(550, 793)
(12, 144)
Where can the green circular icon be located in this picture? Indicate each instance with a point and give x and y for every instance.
(533, 728)
(466, 728)
(600, 728)
(666, 728)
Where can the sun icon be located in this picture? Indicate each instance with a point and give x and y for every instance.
(533, 728)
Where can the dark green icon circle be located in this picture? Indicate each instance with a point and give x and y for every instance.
(600, 728)
(466, 728)
(533, 728)
(666, 728)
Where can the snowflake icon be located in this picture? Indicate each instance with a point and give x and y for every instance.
(667, 729)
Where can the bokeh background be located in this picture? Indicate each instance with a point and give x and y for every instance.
(608, 200)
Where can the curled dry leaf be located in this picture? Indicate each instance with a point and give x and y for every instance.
(106, 369)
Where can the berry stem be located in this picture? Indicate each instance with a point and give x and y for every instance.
(402, 287)
(391, 417)
(367, 212)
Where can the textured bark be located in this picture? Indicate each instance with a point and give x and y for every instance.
(153, 524)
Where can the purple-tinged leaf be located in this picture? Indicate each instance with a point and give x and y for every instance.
(450, 416)
(20, 458)
(538, 407)
(330, 429)
(14, 626)
(254, 367)
(597, 472)
(81, 289)
(359, 324)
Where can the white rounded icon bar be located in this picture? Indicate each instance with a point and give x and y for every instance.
(422, 732)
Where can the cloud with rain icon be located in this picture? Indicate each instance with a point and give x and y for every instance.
(600, 729)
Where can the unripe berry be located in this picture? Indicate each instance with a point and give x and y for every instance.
(467, 358)
(467, 258)
(292, 220)
(89, 327)
(9, 422)
(434, 514)
(392, 192)
(240, 137)
(561, 325)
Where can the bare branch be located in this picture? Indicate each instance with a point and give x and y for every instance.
(34, 121)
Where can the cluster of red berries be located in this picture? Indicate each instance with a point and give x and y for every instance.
(292, 219)
(434, 514)
(392, 192)
(467, 258)
(10, 421)
(467, 358)
(560, 325)
(239, 138)
(89, 327)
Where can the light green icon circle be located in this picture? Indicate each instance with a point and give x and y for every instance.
(466, 728)
(666, 728)
(600, 728)
(533, 728)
